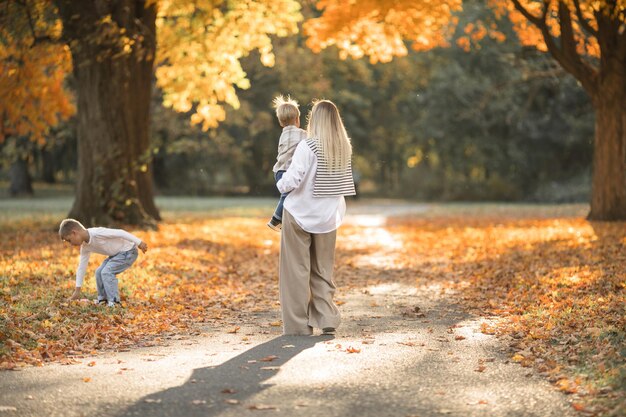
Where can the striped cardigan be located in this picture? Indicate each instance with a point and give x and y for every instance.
(328, 183)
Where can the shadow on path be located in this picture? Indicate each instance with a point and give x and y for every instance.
(213, 389)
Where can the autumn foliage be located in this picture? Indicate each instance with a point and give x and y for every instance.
(33, 68)
(379, 28)
(195, 272)
(200, 45)
(556, 285)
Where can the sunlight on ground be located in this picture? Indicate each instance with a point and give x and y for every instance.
(367, 220)
(371, 235)
(346, 365)
(391, 288)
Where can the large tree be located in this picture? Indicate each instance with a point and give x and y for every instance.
(586, 37)
(115, 47)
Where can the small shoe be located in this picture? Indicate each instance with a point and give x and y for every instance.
(114, 304)
(274, 224)
(328, 330)
(100, 302)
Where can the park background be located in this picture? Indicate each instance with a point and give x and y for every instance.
(474, 149)
(493, 120)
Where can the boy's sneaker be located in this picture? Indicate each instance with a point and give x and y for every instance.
(100, 302)
(114, 304)
(275, 224)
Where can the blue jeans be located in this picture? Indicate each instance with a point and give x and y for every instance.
(106, 274)
(278, 213)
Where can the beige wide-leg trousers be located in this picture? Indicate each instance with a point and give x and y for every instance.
(306, 279)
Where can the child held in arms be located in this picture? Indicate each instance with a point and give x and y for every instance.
(120, 247)
(288, 116)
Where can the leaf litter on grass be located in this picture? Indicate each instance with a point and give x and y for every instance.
(555, 286)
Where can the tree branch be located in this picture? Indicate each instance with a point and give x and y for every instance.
(584, 22)
(566, 56)
(568, 39)
(537, 21)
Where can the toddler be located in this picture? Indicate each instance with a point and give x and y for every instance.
(288, 116)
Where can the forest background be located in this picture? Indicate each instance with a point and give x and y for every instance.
(488, 120)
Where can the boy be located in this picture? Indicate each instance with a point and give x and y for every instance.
(120, 247)
(288, 116)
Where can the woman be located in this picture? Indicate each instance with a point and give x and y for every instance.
(319, 177)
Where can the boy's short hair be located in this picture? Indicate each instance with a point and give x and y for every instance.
(287, 110)
(68, 225)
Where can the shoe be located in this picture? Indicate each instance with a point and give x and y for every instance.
(328, 330)
(100, 302)
(275, 224)
(114, 304)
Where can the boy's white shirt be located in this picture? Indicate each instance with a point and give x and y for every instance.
(104, 241)
(289, 139)
(313, 214)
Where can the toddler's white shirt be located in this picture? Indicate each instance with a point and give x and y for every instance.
(104, 241)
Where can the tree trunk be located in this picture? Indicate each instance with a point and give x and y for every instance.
(608, 195)
(606, 84)
(48, 165)
(114, 88)
(21, 183)
(141, 73)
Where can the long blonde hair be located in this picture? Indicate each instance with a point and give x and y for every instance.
(325, 126)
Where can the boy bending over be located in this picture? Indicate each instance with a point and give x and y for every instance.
(120, 247)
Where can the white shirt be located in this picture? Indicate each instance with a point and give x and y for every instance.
(104, 241)
(313, 214)
(289, 139)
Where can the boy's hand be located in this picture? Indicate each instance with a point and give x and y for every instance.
(76, 295)
(143, 247)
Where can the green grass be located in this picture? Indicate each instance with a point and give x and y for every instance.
(48, 209)
(45, 210)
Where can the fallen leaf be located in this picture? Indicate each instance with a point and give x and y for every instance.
(86, 379)
(261, 407)
(231, 401)
(351, 349)
(517, 357)
(459, 337)
(234, 330)
(7, 408)
(228, 391)
(269, 358)
(152, 400)
(92, 363)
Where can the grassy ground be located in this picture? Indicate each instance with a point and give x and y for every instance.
(555, 282)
